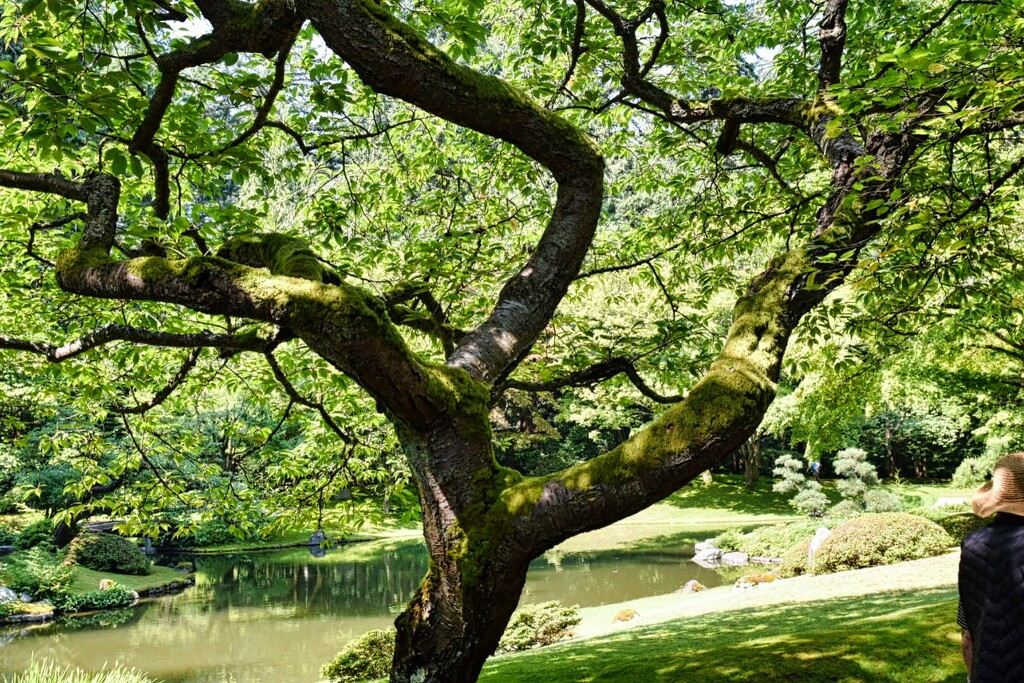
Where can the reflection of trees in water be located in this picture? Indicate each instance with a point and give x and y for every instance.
(369, 586)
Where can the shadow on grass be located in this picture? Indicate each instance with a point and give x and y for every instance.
(896, 637)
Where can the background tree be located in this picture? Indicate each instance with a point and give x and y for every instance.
(141, 142)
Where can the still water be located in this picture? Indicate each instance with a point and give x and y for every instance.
(277, 617)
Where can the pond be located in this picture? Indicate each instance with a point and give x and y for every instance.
(280, 616)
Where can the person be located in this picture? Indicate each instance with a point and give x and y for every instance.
(990, 612)
(815, 468)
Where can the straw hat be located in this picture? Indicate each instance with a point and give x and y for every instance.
(1005, 493)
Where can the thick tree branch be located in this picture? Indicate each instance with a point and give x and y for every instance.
(123, 333)
(832, 39)
(393, 59)
(721, 412)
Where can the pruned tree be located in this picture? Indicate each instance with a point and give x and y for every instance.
(877, 135)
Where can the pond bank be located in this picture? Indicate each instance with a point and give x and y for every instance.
(929, 573)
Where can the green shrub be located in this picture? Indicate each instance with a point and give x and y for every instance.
(50, 672)
(39, 573)
(538, 625)
(960, 524)
(973, 472)
(879, 538)
(7, 536)
(34, 534)
(730, 540)
(794, 560)
(766, 541)
(879, 500)
(844, 509)
(368, 656)
(936, 514)
(115, 596)
(108, 553)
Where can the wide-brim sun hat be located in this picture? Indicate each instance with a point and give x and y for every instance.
(1005, 492)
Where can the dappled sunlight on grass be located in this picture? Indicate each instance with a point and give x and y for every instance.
(899, 637)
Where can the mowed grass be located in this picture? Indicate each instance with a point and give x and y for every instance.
(85, 580)
(902, 637)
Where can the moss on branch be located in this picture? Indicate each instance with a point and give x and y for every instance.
(280, 254)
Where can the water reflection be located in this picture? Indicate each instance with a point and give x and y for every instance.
(269, 617)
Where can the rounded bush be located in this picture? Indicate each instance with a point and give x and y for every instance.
(877, 539)
(794, 560)
(961, 524)
(538, 625)
(368, 656)
(107, 552)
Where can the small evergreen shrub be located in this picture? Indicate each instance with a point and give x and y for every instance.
(538, 625)
(34, 534)
(40, 574)
(7, 536)
(961, 524)
(878, 500)
(811, 501)
(794, 560)
(877, 539)
(368, 656)
(844, 509)
(856, 474)
(107, 552)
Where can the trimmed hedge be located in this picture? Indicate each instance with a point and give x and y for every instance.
(880, 538)
(108, 553)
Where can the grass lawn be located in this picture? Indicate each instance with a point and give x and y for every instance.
(85, 580)
(895, 623)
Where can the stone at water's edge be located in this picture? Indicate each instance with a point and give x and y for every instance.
(819, 537)
(692, 586)
(6, 549)
(736, 559)
(7, 595)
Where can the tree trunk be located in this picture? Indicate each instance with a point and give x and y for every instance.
(752, 460)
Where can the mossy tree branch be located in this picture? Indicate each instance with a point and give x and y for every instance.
(395, 60)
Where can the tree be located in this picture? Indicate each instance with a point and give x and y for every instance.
(841, 159)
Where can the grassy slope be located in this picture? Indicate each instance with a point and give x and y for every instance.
(852, 626)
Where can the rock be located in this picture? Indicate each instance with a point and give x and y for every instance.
(6, 549)
(736, 559)
(25, 597)
(317, 537)
(819, 537)
(704, 545)
(692, 586)
(753, 580)
(7, 595)
(626, 615)
(708, 555)
(946, 502)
